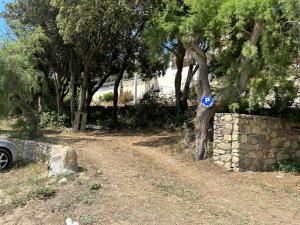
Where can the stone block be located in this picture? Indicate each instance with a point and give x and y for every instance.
(227, 137)
(256, 130)
(227, 118)
(224, 146)
(235, 159)
(244, 139)
(252, 155)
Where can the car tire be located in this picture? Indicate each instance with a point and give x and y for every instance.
(5, 159)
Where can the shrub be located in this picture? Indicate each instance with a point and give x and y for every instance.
(288, 166)
(44, 193)
(93, 186)
(50, 119)
(126, 97)
(108, 97)
(25, 128)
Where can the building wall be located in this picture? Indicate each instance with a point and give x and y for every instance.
(256, 143)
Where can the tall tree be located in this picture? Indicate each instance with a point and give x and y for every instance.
(55, 62)
(240, 30)
(20, 78)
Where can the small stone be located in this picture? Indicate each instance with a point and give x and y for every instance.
(254, 141)
(227, 118)
(287, 144)
(256, 130)
(63, 181)
(235, 159)
(227, 138)
(244, 139)
(252, 155)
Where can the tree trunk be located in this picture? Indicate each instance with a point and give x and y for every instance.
(59, 96)
(116, 94)
(180, 54)
(73, 91)
(204, 115)
(185, 93)
(84, 90)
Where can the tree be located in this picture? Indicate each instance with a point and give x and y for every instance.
(58, 61)
(239, 36)
(20, 79)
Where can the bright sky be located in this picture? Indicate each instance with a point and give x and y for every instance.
(3, 26)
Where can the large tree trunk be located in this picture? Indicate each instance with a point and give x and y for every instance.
(180, 54)
(204, 115)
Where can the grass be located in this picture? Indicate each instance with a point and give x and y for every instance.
(19, 201)
(86, 198)
(93, 186)
(44, 193)
(87, 220)
(171, 188)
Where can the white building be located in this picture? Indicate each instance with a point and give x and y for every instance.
(165, 84)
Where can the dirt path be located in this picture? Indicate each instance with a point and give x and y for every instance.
(145, 184)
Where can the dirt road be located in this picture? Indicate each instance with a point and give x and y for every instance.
(144, 183)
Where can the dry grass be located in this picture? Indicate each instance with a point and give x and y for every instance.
(139, 178)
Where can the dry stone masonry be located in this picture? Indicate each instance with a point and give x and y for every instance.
(61, 160)
(255, 143)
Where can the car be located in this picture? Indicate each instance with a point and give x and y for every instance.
(7, 154)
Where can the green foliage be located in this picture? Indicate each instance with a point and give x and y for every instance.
(288, 166)
(108, 97)
(93, 186)
(87, 219)
(44, 193)
(50, 119)
(25, 129)
(19, 78)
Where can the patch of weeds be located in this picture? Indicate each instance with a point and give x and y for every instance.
(37, 181)
(71, 177)
(93, 186)
(86, 220)
(264, 186)
(287, 189)
(44, 193)
(66, 205)
(14, 191)
(86, 198)
(19, 201)
(5, 209)
(171, 188)
(288, 166)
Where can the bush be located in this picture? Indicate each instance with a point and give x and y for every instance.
(50, 119)
(108, 97)
(153, 110)
(288, 166)
(25, 128)
(126, 97)
(44, 193)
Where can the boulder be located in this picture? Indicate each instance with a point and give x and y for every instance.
(63, 161)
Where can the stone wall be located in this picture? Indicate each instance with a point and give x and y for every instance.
(256, 143)
(31, 151)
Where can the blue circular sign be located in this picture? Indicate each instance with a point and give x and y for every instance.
(207, 101)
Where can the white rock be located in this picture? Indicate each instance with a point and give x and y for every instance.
(69, 221)
(63, 161)
(63, 181)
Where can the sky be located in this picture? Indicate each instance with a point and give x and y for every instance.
(3, 25)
